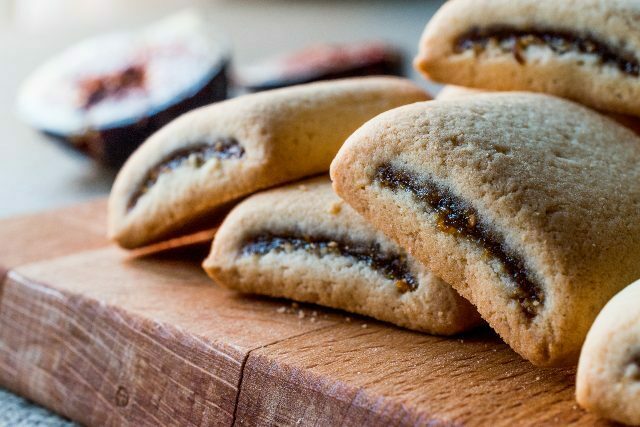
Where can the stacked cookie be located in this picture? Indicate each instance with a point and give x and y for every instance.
(519, 208)
(301, 244)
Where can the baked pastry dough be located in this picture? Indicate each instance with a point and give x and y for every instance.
(527, 204)
(209, 157)
(608, 380)
(584, 50)
(302, 242)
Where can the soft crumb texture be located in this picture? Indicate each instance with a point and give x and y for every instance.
(207, 158)
(608, 379)
(453, 92)
(584, 50)
(528, 205)
(336, 264)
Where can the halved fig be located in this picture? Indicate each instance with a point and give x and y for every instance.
(322, 62)
(106, 95)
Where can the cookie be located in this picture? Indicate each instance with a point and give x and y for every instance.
(302, 242)
(608, 379)
(209, 157)
(584, 50)
(452, 91)
(527, 204)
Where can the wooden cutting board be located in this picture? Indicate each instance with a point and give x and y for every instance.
(107, 337)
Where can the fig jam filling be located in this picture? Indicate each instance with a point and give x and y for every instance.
(391, 266)
(635, 362)
(454, 216)
(559, 41)
(194, 156)
(97, 89)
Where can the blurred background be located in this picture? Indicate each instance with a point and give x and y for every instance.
(38, 174)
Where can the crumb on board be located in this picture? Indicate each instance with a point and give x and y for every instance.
(347, 319)
(302, 187)
(365, 326)
(300, 314)
(282, 309)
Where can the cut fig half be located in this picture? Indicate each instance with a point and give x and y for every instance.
(106, 95)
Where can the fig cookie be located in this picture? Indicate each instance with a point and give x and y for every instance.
(608, 379)
(452, 92)
(209, 157)
(527, 204)
(584, 50)
(302, 242)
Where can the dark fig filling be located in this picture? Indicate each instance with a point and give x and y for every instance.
(390, 265)
(454, 216)
(195, 156)
(559, 41)
(99, 88)
(635, 361)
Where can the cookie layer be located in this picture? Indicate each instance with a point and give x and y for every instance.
(584, 50)
(214, 155)
(452, 92)
(608, 379)
(526, 204)
(302, 242)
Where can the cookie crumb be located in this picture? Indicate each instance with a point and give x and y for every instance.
(302, 187)
(364, 326)
(314, 313)
(538, 378)
(282, 309)
(440, 314)
(313, 320)
(347, 319)
(300, 314)
(335, 208)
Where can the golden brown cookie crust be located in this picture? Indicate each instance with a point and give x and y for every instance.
(324, 274)
(552, 182)
(528, 64)
(608, 379)
(283, 135)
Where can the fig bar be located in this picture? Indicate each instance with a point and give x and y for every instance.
(302, 242)
(608, 379)
(106, 95)
(202, 161)
(527, 204)
(587, 51)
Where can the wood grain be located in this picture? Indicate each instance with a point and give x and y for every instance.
(52, 234)
(379, 375)
(107, 339)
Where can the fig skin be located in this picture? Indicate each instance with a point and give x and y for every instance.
(111, 146)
